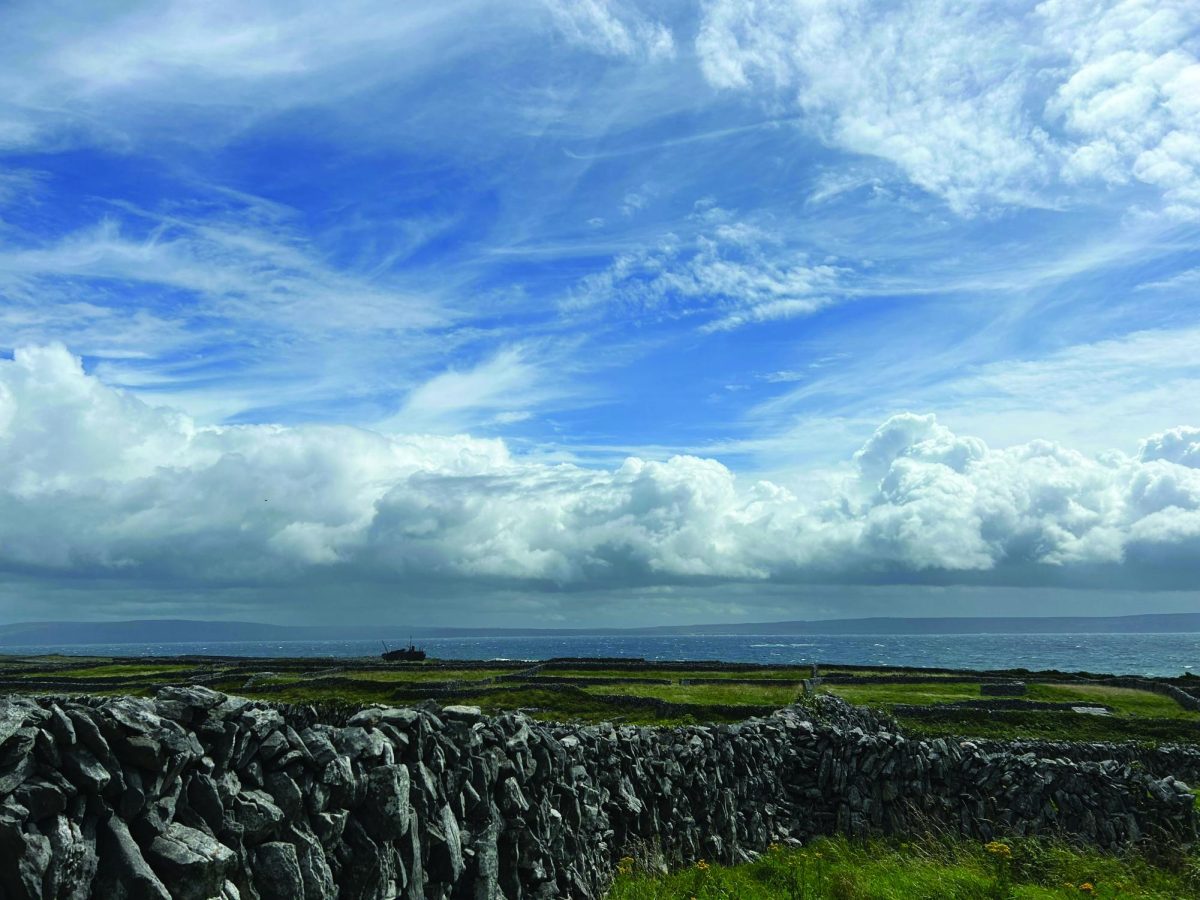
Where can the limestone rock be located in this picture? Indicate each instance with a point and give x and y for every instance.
(123, 873)
(194, 864)
(276, 871)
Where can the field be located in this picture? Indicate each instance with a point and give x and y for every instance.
(930, 704)
(924, 868)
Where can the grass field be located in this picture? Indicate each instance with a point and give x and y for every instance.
(885, 696)
(1137, 714)
(923, 868)
(1124, 701)
(125, 670)
(707, 694)
(789, 673)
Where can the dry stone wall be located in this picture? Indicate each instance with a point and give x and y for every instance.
(1180, 761)
(195, 794)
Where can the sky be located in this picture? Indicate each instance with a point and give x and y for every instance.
(571, 313)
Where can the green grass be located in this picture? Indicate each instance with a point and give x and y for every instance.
(610, 673)
(884, 696)
(876, 673)
(672, 674)
(116, 670)
(921, 869)
(1048, 725)
(417, 676)
(579, 705)
(1124, 701)
(1139, 715)
(706, 694)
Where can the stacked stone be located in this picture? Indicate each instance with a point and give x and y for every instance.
(1160, 760)
(1002, 689)
(195, 795)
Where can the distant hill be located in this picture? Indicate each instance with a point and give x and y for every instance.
(1162, 623)
(169, 631)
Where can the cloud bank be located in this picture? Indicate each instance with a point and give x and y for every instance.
(96, 483)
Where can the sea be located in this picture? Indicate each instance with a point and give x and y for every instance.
(1121, 654)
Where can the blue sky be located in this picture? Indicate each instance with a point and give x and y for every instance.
(517, 249)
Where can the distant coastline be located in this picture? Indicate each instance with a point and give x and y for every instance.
(176, 630)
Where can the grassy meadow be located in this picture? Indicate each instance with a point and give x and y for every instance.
(921, 868)
(636, 694)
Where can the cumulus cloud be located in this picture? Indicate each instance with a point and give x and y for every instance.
(97, 483)
(1178, 445)
(980, 103)
(1130, 98)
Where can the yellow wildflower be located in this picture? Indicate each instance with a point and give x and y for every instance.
(998, 848)
(1087, 887)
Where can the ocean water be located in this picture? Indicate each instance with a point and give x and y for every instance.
(1123, 654)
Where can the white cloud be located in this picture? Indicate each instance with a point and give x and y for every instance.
(1178, 445)
(1091, 395)
(611, 28)
(234, 269)
(230, 297)
(932, 87)
(953, 94)
(1129, 97)
(451, 400)
(105, 74)
(1186, 280)
(732, 274)
(97, 483)
(18, 184)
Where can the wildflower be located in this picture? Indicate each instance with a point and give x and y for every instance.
(702, 865)
(998, 848)
(1087, 887)
(774, 848)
